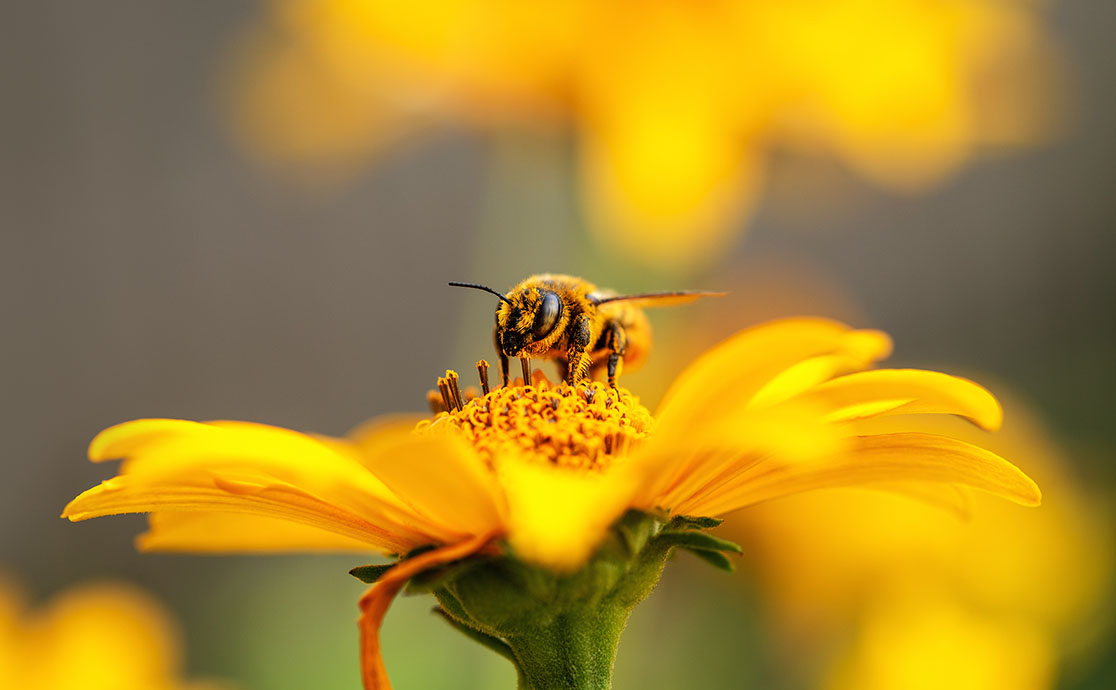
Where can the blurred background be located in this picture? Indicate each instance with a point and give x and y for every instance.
(249, 210)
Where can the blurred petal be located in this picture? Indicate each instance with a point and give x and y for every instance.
(105, 637)
(669, 201)
(685, 472)
(439, 476)
(925, 640)
(667, 157)
(556, 517)
(290, 107)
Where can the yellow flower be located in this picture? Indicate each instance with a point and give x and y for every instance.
(94, 637)
(675, 105)
(545, 470)
(922, 640)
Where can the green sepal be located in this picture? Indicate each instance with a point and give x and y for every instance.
(418, 550)
(714, 558)
(429, 580)
(635, 529)
(494, 643)
(700, 541)
(688, 522)
(369, 574)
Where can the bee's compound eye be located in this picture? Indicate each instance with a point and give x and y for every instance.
(547, 315)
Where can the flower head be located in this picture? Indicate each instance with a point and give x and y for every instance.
(675, 105)
(768, 413)
(542, 472)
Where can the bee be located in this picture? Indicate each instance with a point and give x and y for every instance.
(571, 321)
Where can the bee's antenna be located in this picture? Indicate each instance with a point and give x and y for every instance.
(476, 286)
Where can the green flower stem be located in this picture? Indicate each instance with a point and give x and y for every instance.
(576, 651)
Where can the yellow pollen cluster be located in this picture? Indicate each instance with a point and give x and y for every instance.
(586, 426)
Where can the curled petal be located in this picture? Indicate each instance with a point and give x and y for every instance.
(375, 602)
(907, 391)
(733, 373)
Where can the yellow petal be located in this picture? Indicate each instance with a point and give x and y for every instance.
(129, 494)
(122, 440)
(734, 372)
(237, 466)
(805, 375)
(886, 458)
(238, 532)
(907, 391)
(556, 517)
(952, 498)
(439, 476)
(683, 471)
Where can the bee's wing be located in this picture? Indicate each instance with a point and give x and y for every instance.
(659, 299)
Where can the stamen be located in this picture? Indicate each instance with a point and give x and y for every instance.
(447, 397)
(526, 363)
(482, 369)
(455, 390)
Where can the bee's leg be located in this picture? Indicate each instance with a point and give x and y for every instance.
(563, 368)
(616, 340)
(504, 365)
(577, 357)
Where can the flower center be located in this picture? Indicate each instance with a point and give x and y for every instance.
(586, 426)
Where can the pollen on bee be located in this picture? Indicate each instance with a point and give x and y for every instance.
(584, 426)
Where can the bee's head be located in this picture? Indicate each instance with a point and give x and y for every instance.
(527, 319)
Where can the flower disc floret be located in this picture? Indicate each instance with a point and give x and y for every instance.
(585, 427)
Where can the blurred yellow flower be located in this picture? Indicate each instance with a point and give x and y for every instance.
(675, 105)
(1003, 598)
(918, 641)
(93, 637)
(546, 470)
